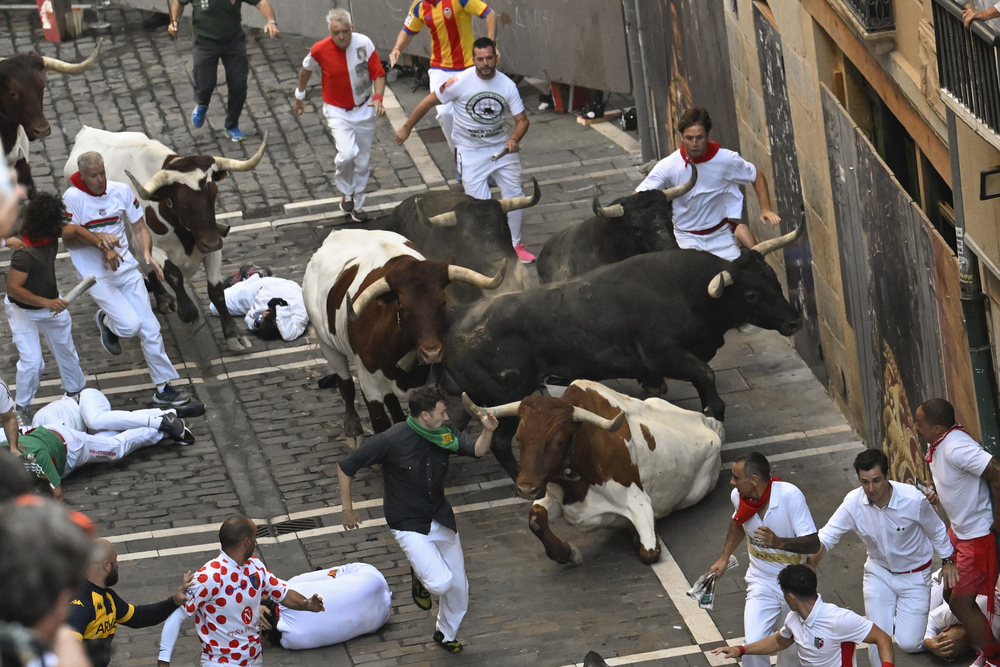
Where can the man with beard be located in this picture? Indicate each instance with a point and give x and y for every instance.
(97, 610)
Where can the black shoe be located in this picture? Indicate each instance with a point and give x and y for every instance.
(109, 340)
(357, 215)
(192, 409)
(421, 596)
(347, 204)
(171, 396)
(172, 426)
(454, 646)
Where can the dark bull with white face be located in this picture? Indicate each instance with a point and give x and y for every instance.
(22, 117)
(454, 227)
(178, 195)
(652, 316)
(639, 223)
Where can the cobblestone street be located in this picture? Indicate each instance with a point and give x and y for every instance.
(270, 442)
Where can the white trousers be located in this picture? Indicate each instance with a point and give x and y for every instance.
(446, 111)
(721, 243)
(476, 166)
(899, 604)
(353, 132)
(83, 448)
(764, 613)
(99, 417)
(438, 560)
(25, 327)
(126, 304)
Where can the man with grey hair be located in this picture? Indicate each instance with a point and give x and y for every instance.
(101, 205)
(353, 83)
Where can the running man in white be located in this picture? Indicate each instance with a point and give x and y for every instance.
(825, 634)
(482, 98)
(708, 217)
(272, 307)
(766, 507)
(351, 70)
(901, 531)
(120, 293)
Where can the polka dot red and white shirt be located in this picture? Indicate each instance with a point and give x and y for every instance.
(224, 599)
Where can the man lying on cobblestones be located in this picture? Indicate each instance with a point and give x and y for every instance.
(414, 456)
(967, 483)
(944, 635)
(272, 307)
(351, 70)
(96, 612)
(225, 597)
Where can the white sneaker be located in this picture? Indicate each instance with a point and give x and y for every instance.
(980, 661)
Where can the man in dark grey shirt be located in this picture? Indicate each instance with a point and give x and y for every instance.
(414, 457)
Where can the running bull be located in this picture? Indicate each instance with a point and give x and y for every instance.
(653, 316)
(639, 223)
(178, 194)
(22, 118)
(604, 459)
(455, 227)
(374, 300)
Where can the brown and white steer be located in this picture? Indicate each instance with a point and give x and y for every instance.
(375, 301)
(605, 459)
(178, 194)
(22, 118)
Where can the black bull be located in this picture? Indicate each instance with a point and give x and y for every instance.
(653, 316)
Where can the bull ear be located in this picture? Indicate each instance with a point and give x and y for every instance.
(219, 175)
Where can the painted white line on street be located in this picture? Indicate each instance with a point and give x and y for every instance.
(230, 215)
(414, 145)
(646, 657)
(701, 625)
(611, 130)
(795, 435)
(809, 451)
(271, 369)
(265, 354)
(110, 391)
(336, 200)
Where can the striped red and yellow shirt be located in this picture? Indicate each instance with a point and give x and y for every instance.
(450, 25)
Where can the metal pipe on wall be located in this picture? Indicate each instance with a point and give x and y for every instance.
(640, 90)
(974, 309)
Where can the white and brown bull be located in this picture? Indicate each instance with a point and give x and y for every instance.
(178, 195)
(22, 117)
(605, 459)
(376, 302)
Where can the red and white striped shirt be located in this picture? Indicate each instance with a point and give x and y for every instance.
(106, 213)
(347, 73)
(224, 599)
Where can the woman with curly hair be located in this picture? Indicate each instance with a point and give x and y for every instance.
(33, 303)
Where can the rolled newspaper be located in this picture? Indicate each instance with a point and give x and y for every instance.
(500, 154)
(84, 285)
(704, 589)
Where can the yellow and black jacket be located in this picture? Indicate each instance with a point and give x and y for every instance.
(96, 612)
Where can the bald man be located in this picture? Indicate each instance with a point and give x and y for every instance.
(96, 612)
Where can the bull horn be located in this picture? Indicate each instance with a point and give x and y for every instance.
(449, 219)
(719, 283)
(63, 67)
(517, 203)
(678, 190)
(588, 417)
(146, 192)
(229, 164)
(372, 292)
(764, 247)
(505, 410)
(460, 273)
(613, 211)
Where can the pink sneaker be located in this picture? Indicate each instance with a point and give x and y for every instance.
(523, 254)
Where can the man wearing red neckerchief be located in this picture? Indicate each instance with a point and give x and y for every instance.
(708, 217)
(966, 478)
(766, 507)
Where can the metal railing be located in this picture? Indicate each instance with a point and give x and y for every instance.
(873, 15)
(967, 63)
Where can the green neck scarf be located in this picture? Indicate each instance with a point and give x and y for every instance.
(441, 436)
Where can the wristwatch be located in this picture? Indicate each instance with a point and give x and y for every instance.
(947, 561)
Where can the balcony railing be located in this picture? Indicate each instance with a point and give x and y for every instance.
(873, 15)
(967, 63)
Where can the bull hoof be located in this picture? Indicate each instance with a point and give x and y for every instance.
(574, 555)
(238, 343)
(352, 428)
(356, 441)
(655, 391)
(649, 556)
(188, 314)
(166, 304)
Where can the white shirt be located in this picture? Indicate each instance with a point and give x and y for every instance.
(249, 297)
(957, 465)
(900, 537)
(480, 107)
(357, 601)
(715, 196)
(107, 214)
(788, 516)
(224, 599)
(822, 635)
(6, 400)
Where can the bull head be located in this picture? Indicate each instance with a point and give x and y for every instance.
(617, 210)
(724, 279)
(450, 219)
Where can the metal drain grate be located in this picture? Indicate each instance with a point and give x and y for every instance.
(295, 526)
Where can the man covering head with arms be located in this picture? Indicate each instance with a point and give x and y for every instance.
(901, 532)
(224, 599)
(966, 479)
(824, 633)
